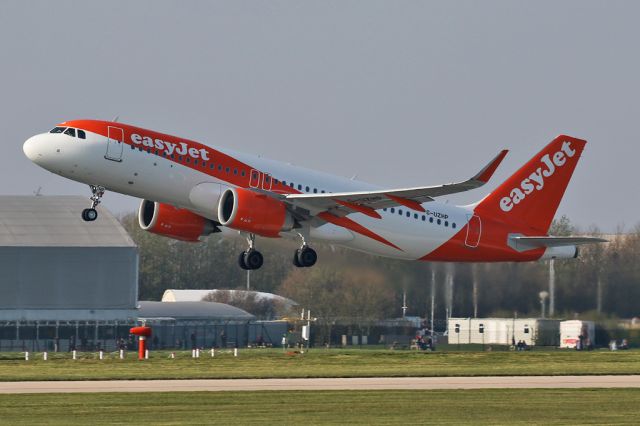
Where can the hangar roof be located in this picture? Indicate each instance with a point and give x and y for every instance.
(192, 310)
(191, 295)
(54, 221)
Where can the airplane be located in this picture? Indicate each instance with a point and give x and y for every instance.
(190, 190)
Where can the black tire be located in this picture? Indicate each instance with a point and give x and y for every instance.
(253, 259)
(307, 257)
(241, 261)
(89, 215)
(295, 259)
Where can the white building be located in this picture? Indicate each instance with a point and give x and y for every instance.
(504, 331)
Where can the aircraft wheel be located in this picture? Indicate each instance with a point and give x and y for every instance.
(296, 262)
(241, 261)
(89, 215)
(253, 259)
(307, 257)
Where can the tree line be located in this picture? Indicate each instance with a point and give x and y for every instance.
(603, 282)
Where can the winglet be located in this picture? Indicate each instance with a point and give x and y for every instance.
(485, 174)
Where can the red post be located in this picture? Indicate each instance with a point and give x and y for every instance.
(142, 332)
(142, 346)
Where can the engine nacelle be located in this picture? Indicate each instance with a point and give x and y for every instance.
(173, 222)
(253, 212)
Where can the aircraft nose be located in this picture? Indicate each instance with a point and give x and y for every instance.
(31, 148)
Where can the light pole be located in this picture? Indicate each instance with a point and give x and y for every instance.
(552, 288)
(543, 298)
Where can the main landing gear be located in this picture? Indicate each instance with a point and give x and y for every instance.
(251, 258)
(305, 256)
(91, 214)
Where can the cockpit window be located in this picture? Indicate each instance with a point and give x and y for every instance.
(70, 131)
(57, 130)
(81, 134)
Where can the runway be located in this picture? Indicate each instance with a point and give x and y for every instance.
(373, 383)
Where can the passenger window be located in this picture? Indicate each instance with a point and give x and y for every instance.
(235, 171)
(306, 189)
(430, 220)
(57, 130)
(322, 191)
(82, 134)
(220, 167)
(227, 169)
(291, 184)
(299, 187)
(446, 223)
(284, 182)
(439, 221)
(70, 132)
(393, 210)
(188, 159)
(243, 173)
(212, 166)
(424, 218)
(400, 212)
(453, 225)
(408, 214)
(315, 190)
(384, 210)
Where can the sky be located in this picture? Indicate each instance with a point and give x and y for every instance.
(399, 93)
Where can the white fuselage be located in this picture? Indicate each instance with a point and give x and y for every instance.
(143, 174)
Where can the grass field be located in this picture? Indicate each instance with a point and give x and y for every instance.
(267, 363)
(586, 406)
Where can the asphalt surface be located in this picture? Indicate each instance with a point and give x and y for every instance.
(375, 383)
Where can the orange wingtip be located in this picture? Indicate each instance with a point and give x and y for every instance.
(485, 174)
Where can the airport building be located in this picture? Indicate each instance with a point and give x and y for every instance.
(64, 282)
(70, 284)
(504, 331)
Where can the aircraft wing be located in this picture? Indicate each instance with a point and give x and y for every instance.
(366, 202)
(528, 243)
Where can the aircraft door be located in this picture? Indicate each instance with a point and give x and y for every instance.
(115, 143)
(267, 182)
(254, 178)
(474, 231)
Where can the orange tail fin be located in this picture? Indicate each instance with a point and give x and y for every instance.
(531, 195)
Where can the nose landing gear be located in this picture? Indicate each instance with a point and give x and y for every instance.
(305, 256)
(251, 258)
(91, 214)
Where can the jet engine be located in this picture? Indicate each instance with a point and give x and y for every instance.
(173, 222)
(249, 211)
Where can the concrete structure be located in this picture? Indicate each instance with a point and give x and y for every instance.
(55, 266)
(504, 331)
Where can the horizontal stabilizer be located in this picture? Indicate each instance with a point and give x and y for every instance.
(522, 243)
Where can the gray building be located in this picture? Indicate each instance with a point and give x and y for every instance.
(63, 279)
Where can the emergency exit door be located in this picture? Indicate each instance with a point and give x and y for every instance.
(474, 231)
(115, 143)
